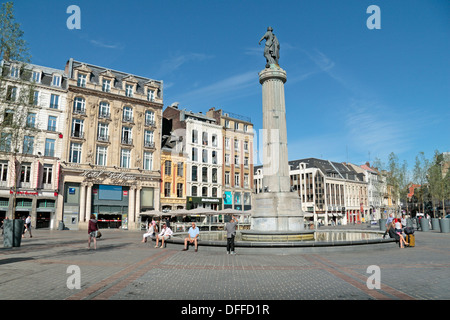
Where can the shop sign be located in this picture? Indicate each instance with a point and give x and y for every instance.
(24, 193)
(93, 174)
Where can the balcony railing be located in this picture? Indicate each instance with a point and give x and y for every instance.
(77, 134)
(149, 144)
(103, 138)
(104, 115)
(128, 141)
(79, 111)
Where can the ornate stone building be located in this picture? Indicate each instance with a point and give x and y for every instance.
(111, 160)
(237, 161)
(32, 111)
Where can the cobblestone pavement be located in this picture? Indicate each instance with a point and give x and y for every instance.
(123, 268)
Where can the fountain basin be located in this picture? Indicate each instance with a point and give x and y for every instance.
(323, 240)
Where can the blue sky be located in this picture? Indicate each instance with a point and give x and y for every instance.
(352, 94)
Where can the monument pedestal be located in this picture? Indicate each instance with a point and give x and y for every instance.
(277, 211)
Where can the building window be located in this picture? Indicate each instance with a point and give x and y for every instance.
(126, 136)
(51, 124)
(102, 152)
(54, 101)
(15, 71)
(36, 76)
(148, 160)
(204, 174)
(106, 86)
(166, 189)
(180, 169)
(28, 145)
(205, 138)
(245, 127)
(205, 156)
(246, 162)
(149, 118)
(127, 114)
(47, 176)
(77, 128)
(3, 173)
(236, 180)
(214, 175)
(81, 80)
(125, 158)
(246, 181)
(227, 123)
(56, 81)
(103, 110)
(11, 93)
(79, 105)
(214, 140)
(236, 160)
(194, 173)
(25, 173)
(102, 134)
(129, 90)
(214, 157)
(35, 98)
(214, 192)
(236, 126)
(194, 136)
(150, 95)
(31, 120)
(204, 191)
(5, 142)
(194, 154)
(227, 159)
(75, 153)
(236, 144)
(227, 178)
(148, 139)
(49, 147)
(227, 143)
(194, 191)
(246, 145)
(179, 190)
(168, 168)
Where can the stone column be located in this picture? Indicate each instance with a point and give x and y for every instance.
(276, 209)
(83, 203)
(138, 201)
(131, 208)
(88, 201)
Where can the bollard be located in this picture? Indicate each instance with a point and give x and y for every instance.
(424, 224)
(382, 223)
(13, 230)
(445, 225)
(435, 224)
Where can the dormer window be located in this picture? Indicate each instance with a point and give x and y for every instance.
(106, 85)
(56, 81)
(15, 71)
(150, 95)
(129, 90)
(81, 82)
(36, 76)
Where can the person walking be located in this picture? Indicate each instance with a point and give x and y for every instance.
(231, 233)
(28, 226)
(92, 231)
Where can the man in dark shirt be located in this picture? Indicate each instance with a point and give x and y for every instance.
(231, 233)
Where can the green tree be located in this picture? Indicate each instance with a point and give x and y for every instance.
(12, 44)
(420, 176)
(438, 182)
(397, 178)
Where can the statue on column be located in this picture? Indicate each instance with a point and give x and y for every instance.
(272, 48)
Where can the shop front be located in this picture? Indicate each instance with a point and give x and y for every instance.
(204, 202)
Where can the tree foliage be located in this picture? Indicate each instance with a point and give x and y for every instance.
(12, 44)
